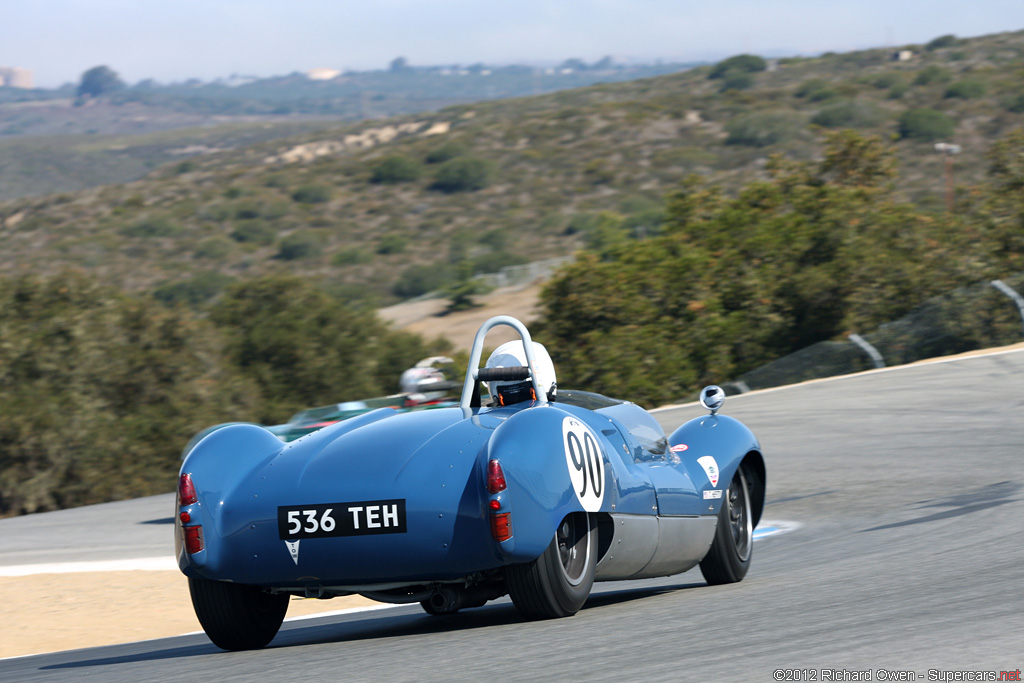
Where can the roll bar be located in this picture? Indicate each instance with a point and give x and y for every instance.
(475, 374)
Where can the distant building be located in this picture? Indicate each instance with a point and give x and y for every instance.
(13, 77)
(902, 55)
(322, 74)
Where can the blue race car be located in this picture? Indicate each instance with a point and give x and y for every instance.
(535, 493)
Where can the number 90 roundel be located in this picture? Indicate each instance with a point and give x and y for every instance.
(585, 462)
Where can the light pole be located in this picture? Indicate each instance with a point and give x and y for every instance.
(948, 149)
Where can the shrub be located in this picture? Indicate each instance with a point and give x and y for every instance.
(254, 231)
(968, 89)
(195, 291)
(815, 90)
(887, 80)
(351, 257)
(420, 279)
(463, 174)
(897, 91)
(391, 244)
(739, 63)
(925, 125)
(849, 114)
(948, 40)
(761, 129)
(932, 74)
(312, 194)
(445, 152)
(214, 249)
(247, 210)
(156, 226)
(300, 245)
(737, 80)
(1016, 105)
(395, 169)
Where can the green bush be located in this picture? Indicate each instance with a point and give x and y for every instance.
(351, 257)
(445, 152)
(887, 80)
(898, 90)
(849, 114)
(212, 248)
(254, 231)
(1016, 105)
(156, 226)
(932, 74)
(248, 209)
(925, 125)
(395, 169)
(301, 244)
(967, 89)
(312, 194)
(738, 63)
(196, 290)
(420, 279)
(948, 40)
(815, 90)
(737, 80)
(392, 244)
(761, 129)
(463, 174)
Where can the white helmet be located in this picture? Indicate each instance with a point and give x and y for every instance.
(415, 379)
(513, 355)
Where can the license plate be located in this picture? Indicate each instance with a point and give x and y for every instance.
(363, 518)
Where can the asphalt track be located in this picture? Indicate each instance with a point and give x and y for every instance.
(907, 485)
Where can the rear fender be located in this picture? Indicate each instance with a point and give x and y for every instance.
(224, 459)
(531, 447)
(712, 448)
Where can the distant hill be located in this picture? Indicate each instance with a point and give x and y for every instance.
(52, 141)
(385, 209)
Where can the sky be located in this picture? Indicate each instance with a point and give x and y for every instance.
(175, 40)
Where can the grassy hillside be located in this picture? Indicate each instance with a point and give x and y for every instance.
(389, 208)
(52, 141)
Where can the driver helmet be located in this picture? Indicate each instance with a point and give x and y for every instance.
(512, 355)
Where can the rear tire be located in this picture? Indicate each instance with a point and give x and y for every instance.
(558, 582)
(729, 557)
(236, 616)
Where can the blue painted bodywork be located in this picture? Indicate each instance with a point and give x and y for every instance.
(436, 463)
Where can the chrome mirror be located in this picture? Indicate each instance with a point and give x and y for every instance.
(712, 397)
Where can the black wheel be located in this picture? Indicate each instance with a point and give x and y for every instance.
(729, 557)
(558, 582)
(237, 617)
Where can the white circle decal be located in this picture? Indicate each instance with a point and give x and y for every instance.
(586, 463)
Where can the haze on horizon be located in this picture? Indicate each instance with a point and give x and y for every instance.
(209, 39)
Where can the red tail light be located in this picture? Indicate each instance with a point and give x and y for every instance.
(495, 477)
(193, 539)
(501, 526)
(186, 490)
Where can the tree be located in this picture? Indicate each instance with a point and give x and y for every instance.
(394, 169)
(398, 65)
(739, 63)
(463, 174)
(302, 347)
(99, 392)
(731, 283)
(925, 125)
(99, 80)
